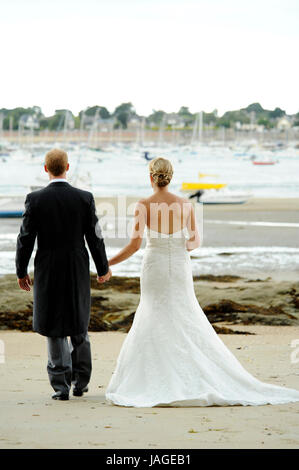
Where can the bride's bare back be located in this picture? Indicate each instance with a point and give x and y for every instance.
(165, 212)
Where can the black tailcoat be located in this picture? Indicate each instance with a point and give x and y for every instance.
(60, 216)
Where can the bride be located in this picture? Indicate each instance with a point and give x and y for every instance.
(172, 355)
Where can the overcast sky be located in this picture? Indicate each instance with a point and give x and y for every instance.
(159, 54)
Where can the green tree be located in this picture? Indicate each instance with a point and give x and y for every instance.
(296, 121)
(56, 122)
(231, 117)
(277, 113)
(123, 114)
(91, 111)
(16, 113)
(262, 121)
(254, 107)
(209, 118)
(156, 117)
(185, 114)
(43, 123)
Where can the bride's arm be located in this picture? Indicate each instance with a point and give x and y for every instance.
(194, 240)
(136, 237)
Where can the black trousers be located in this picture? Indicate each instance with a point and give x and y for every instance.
(69, 362)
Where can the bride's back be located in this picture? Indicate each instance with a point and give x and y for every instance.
(166, 212)
(163, 212)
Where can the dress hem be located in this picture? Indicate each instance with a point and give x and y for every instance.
(180, 403)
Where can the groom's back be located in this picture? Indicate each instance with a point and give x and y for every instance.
(60, 212)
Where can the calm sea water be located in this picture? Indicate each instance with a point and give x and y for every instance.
(125, 171)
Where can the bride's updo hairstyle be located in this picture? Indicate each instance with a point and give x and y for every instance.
(161, 170)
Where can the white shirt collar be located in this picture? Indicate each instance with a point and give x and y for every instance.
(58, 180)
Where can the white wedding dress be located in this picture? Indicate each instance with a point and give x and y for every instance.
(172, 355)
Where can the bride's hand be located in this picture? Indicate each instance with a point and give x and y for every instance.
(106, 277)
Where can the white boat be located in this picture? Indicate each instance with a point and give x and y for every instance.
(219, 196)
(224, 196)
(21, 155)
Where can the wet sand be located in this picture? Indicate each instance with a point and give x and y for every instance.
(220, 222)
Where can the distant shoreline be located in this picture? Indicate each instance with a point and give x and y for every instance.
(174, 136)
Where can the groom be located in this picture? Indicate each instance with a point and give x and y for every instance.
(60, 216)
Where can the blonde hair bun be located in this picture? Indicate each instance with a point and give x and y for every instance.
(161, 170)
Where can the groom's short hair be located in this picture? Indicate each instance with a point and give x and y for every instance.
(56, 161)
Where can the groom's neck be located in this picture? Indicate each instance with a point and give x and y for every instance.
(52, 177)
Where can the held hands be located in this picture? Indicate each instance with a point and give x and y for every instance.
(102, 279)
(25, 283)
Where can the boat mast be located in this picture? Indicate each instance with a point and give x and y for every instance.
(200, 121)
(82, 126)
(161, 130)
(93, 127)
(1, 126)
(195, 125)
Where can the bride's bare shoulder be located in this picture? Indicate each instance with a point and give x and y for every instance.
(181, 200)
(169, 198)
(142, 206)
(143, 202)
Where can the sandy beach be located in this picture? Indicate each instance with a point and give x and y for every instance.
(220, 221)
(263, 312)
(257, 317)
(30, 419)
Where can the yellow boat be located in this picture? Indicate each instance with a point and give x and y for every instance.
(191, 187)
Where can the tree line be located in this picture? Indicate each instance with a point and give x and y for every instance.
(125, 112)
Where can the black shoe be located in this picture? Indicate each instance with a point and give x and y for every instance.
(60, 396)
(78, 392)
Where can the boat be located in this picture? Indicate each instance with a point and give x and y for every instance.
(224, 196)
(256, 162)
(17, 214)
(146, 156)
(264, 158)
(213, 193)
(193, 187)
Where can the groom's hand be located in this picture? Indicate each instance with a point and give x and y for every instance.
(102, 279)
(25, 283)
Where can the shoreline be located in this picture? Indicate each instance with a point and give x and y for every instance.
(254, 203)
(152, 136)
(253, 239)
(254, 252)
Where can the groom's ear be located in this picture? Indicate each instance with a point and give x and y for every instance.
(46, 169)
(67, 167)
